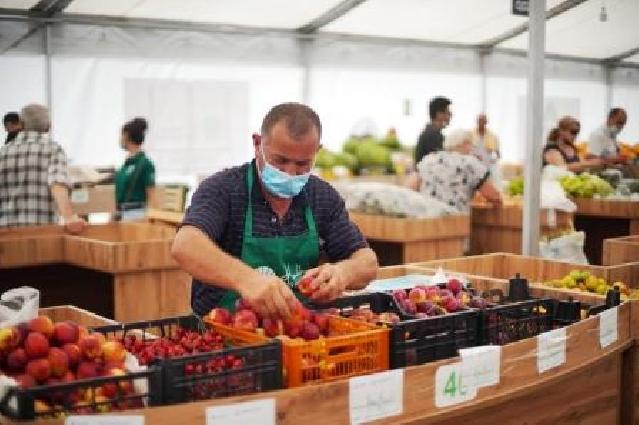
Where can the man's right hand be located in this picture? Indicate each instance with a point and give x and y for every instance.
(270, 297)
(74, 224)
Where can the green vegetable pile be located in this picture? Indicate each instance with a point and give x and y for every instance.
(586, 185)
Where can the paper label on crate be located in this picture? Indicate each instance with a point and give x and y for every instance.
(401, 282)
(454, 384)
(80, 196)
(608, 326)
(376, 396)
(258, 412)
(105, 420)
(551, 349)
(483, 364)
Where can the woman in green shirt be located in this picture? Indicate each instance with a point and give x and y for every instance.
(134, 181)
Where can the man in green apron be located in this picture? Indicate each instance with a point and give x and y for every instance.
(254, 231)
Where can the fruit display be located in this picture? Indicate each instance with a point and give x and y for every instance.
(515, 187)
(584, 281)
(428, 301)
(41, 353)
(585, 185)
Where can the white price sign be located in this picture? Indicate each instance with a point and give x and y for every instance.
(608, 326)
(105, 420)
(258, 412)
(453, 385)
(551, 349)
(483, 364)
(376, 396)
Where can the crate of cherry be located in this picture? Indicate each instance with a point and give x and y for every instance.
(199, 363)
(50, 370)
(317, 347)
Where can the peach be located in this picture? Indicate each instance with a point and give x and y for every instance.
(306, 287)
(245, 320)
(432, 294)
(9, 338)
(220, 315)
(73, 353)
(417, 295)
(36, 345)
(87, 370)
(399, 294)
(388, 317)
(322, 322)
(113, 351)
(463, 297)
(39, 369)
(273, 327)
(66, 333)
(310, 331)
(17, 360)
(424, 307)
(59, 362)
(408, 306)
(41, 324)
(25, 381)
(90, 346)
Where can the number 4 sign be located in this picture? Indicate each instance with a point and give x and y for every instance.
(453, 385)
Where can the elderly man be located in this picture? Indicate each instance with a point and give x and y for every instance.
(256, 230)
(34, 170)
(603, 141)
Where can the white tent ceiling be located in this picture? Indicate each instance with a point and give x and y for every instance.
(577, 32)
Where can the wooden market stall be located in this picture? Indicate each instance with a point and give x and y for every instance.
(107, 269)
(601, 219)
(588, 385)
(621, 250)
(499, 229)
(408, 240)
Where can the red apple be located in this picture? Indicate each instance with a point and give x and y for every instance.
(73, 353)
(417, 295)
(25, 381)
(59, 362)
(220, 315)
(322, 322)
(310, 331)
(90, 346)
(41, 324)
(245, 320)
(451, 304)
(17, 360)
(273, 327)
(66, 333)
(39, 369)
(87, 370)
(36, 345)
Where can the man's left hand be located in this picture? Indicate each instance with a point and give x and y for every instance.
(331, 281)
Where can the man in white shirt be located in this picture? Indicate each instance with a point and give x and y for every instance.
(603, 141)
(485, 142)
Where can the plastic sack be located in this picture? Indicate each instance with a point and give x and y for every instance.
(554, 197)
(554, 173)
(19, 305)
(390, 200)
(568, 248)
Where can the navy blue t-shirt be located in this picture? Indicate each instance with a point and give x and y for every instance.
(218, 209)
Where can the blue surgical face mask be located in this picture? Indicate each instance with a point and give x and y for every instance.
(279, 183)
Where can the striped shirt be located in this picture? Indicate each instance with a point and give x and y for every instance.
(29, 165)
(218, 209)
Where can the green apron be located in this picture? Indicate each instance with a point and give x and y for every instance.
(285, 256)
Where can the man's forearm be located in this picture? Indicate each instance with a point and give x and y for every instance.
(360, 268)
(206, 262)
(60, 194)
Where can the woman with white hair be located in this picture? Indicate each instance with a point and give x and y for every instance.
(453, 175)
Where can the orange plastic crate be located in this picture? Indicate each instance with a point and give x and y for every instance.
(354, 348)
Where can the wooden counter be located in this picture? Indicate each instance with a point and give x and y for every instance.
(499, 229)
(586, 389)
(122, 270)
(621, 250)
(604, 219)
(407, 240)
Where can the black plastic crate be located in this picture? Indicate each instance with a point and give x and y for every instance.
(503, 324)
(231, 371)
(416, 341)
(63, 399)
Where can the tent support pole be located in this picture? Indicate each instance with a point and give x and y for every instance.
(534, 127)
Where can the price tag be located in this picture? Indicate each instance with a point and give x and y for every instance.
(608, 326)
(483, 364)
(258, 412)
(105, 420)
(453, 385)
(402, 282)
(551, 349)
(80, 196)
(376, 396)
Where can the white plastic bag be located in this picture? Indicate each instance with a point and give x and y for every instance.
(19, 305)
(554, 197)
(569, 248)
